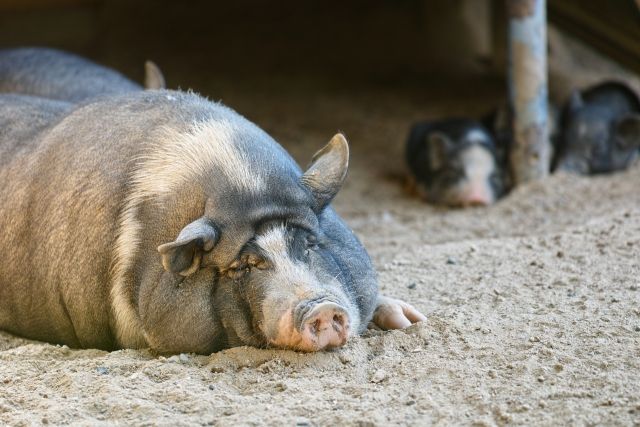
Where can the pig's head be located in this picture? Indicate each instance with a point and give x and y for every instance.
(293, 290)
(595, 142)
(287, 271)
(465, 169)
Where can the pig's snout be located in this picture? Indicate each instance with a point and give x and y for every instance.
(313, 325)
(322, 325)
(477, 199)
(476, 196)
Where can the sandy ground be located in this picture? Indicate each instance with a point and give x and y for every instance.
(533, 304)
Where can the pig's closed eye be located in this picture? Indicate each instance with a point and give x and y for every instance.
(243, 265)
(312, 244)
(237, 273)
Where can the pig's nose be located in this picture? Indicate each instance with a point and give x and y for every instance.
(325, 326)
(477, 198)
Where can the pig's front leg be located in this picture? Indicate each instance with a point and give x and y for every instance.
(391, 313)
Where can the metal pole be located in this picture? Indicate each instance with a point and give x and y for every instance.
(530, 150)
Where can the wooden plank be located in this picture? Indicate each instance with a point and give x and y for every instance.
(610, 26)
(28, 5)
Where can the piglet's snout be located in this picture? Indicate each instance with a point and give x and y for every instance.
(321, 325)
(477, 199)
(477, 195)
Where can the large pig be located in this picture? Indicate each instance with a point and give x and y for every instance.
(160, 219)
(600, 130)
(454, 162)
(51, 73)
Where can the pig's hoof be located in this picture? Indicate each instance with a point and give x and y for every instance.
(395, 314)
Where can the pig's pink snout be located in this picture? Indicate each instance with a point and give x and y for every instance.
(478, 201)
(477, 197)
(322, 326)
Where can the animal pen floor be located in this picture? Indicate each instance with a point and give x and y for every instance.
(533, 304)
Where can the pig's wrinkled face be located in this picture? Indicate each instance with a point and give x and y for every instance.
(467, 173)
(292, 289)
(285, 270)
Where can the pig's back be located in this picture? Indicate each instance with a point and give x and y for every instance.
(613, 97)
(54, 74)
(22, 118)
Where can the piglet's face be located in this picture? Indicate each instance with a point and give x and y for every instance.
(596, 144)
(466, 173)
(596, 139)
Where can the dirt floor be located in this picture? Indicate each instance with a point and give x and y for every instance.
(533, 304)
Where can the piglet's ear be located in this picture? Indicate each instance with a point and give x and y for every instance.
(184, 255)
(327, 171)
(575, 101)
(627, 131)
(438, 145)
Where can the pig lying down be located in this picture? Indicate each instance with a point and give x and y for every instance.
(600, 130)
(55, 74)
(454, 162)
(160, 219)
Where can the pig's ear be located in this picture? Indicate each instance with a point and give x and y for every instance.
(575, 101)
(153, 78)
(185, 254)
(438, 145)
(627, 131)
(327, 171)
(502, 119)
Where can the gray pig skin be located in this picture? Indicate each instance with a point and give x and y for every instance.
(91, 193)
(54, 74)
(600, 130)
